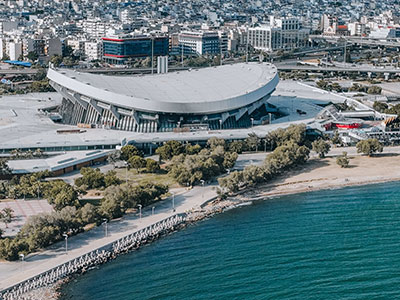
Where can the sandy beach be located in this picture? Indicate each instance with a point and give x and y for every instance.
(317, 174)
(324, 173)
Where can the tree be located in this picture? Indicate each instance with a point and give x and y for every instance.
(294, 133)
(68, 51)
(342, 160)
(9, 249)
(56, 60)
(91, 178)
(152, 166)
(60, 194)
(6, 215)
(252, 142)
(128, 151)
(38, 153)
(192, 149)
(336, 140)
(322, 84)
(114, 157)
(110, 178)
(229, 160)
(137, 162)
(236, 146)
(32, 56)
(374, 90)
(369, 147)
(215, 142)
(88, 214)
(380, 106)
(170, 149)
(321, 147)
(4, 169)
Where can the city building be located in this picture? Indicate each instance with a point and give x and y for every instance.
(93, 50)
(200, 42)
(280, 34)
(14, 50)
(229, 96)
(119, 50)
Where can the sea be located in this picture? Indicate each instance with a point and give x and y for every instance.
(330, 244)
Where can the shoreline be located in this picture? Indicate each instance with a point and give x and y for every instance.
(316, 175)
(272, 195)
(215, 207)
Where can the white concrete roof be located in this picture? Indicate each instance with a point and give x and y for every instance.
(206, 90)
(57, 162)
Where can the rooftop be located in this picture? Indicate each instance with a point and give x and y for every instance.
(198, 85)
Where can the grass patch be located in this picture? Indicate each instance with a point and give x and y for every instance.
(135, 178)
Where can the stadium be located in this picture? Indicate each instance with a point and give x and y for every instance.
(223, 97)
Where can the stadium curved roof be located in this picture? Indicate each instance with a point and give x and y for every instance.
(207, 90)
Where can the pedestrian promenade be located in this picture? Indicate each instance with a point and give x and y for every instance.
(12, 273)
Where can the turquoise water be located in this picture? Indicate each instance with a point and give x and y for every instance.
(337, 244)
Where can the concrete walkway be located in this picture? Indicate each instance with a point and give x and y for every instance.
(14, 272)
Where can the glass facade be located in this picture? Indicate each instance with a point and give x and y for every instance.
(122, 49)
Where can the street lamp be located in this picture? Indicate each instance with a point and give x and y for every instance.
(252, 122)
(152, 54)
(220, 124)
(126, 172)
(202, 184)
(173, 201)
(66, 242)
(105, 221)
(140, 211)
(152, 210)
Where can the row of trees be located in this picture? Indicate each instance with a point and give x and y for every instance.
(95, 179)
(70, 217)
(18, 154)
(290, 149)
(188, 170)
(376, 90)
(281, 159)
(117, 199)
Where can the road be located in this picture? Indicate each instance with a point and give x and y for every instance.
(364, 69)
(18, 71)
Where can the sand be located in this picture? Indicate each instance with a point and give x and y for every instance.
(324, 173)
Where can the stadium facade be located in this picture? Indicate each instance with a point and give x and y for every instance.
(223, 97)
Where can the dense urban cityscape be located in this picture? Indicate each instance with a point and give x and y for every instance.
(122, 122)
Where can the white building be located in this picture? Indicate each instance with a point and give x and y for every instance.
(284, 33)
(201, 42)
(95, 28)
(2, 48)
(357, 29)
(93, 50)
(14, 50)
(265, 38)
(223, 41)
